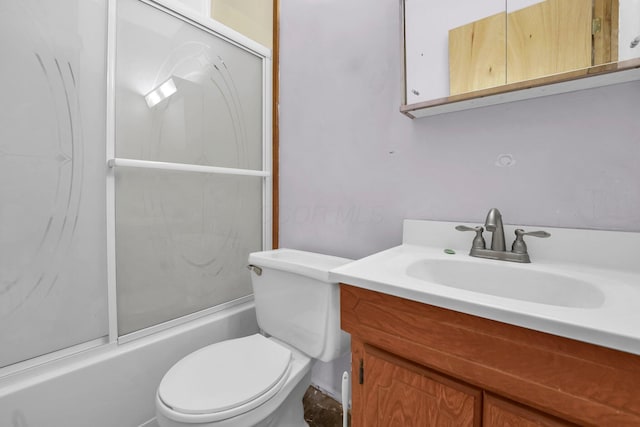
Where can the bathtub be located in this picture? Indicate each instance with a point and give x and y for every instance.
(112, 385)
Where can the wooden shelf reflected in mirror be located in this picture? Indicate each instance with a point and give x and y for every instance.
(498, 51)
(600, 75)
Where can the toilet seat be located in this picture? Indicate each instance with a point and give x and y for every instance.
(225, 379)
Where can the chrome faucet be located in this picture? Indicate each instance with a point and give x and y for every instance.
(498, 251)
(493, 223)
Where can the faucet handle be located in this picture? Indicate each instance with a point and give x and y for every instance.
(519, 246)
(478, 241)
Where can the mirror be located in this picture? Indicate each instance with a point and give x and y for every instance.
(482, 53)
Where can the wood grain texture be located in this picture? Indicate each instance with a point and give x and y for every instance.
(575, 381)
(550, 37)
(477, 55)
(498, 412)
(399, 393)
(605, 41)
(597, 70)
(357, 392)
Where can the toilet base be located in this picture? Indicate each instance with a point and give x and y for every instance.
(291, 412)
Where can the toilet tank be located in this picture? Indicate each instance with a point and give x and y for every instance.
(296, 303)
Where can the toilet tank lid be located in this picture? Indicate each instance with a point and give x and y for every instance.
(308, 264)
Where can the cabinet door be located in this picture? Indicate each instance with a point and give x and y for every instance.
(498, 412)
(400, 393)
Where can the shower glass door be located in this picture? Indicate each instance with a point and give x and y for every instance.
(179, 107)
(191, 174)
(53, 285)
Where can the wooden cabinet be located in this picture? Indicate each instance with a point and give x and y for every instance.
(399, 393)
(499, 412)
(477, 55)
(550, 37)
(419, 365)
(544, 39)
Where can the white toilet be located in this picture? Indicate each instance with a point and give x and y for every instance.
(259, 380)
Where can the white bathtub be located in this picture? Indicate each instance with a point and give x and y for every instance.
(113, 385)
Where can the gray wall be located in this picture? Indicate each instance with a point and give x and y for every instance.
(353, 167)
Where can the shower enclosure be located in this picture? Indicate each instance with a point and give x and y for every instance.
(135, 158)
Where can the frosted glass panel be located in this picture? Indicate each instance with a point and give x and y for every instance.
(182, 242)
(53, 291)
(184, 95)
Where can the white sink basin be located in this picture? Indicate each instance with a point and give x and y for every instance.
(508, 280)
(581, 284)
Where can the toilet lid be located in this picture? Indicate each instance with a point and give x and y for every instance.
(222, 377)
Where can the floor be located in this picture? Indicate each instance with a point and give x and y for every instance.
(321, 410)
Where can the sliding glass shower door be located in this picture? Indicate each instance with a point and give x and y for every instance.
(53, 285)
(185, 99)
(131, 103)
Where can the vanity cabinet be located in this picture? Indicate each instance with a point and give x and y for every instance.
(499, 412)
(400, 393)
(415, 364)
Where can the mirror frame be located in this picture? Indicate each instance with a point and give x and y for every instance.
(585, 78)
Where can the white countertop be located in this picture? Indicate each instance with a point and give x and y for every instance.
(614, 324)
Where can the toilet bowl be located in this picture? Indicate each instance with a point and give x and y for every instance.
(259, 380)
(235, 390)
